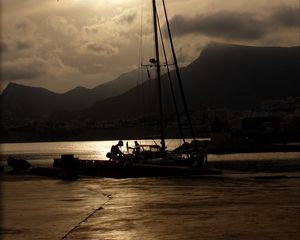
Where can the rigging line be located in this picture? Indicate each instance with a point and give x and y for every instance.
(179, 80)
(141, 35)
(140, 74)
(163, 146)
(142, 89)
(170, 81)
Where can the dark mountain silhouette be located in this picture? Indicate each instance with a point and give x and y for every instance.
(241, 76)
(230, 76)
(20, 101)
(80, 97)
(24, 101)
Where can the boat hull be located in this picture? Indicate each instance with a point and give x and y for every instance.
(114, 169)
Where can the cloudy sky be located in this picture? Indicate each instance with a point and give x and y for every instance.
(67, 43)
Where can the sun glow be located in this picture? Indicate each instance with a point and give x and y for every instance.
(99, 2)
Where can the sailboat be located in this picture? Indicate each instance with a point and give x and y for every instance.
(149, 160)
(158, 153)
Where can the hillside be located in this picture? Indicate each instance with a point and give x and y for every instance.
(18, 101)
(21, 101)
(241, 76)
(230, 76)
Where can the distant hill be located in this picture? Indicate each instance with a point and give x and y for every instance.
(231, 76)
(34, 102)
(81, 98)
(20, 101)
(241, 76)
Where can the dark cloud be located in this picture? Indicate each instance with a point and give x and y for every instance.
(227, 25)
(10, 74)
(22, 68)
(21, 25)
(23, 45)
(3, 47)
(127, 18)
(101, 49)
(25, 26)
(286, 16)
(91, 29)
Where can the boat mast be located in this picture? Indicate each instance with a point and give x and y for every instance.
(157, 62)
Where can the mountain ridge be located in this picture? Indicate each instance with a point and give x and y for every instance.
(28, 101)
(234, 76)
(230, 76)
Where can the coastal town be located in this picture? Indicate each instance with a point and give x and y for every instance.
(276, 120)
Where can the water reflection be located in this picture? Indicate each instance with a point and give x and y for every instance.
(195, 208)
(44, 153)
(82, 149)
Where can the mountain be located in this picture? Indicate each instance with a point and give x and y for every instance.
(231, 76)
(80, 98)
(224, 76)
(242, 76)
(33, 102)
(20, 101)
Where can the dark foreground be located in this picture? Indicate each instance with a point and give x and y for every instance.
(236, 205)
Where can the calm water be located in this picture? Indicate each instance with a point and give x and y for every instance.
(190, 208)
(252, 205)
(43, 153)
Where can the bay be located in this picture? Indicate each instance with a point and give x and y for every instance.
(235, 205)
(43, 153)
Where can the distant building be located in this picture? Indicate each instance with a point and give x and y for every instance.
(290, 104)
(261, 124)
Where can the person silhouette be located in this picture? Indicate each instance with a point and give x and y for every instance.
(116, 153)
(137, 148)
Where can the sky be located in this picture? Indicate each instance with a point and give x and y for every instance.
(62, 44)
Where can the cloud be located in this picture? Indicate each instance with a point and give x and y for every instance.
(56, 67)
(103, 49)
(127, 18)
(3, 47)
(61, 25)
(23, 45)
(224, 24)
(105, 36)
(91, 29)
(25, 26)
(88, 42)
(23, 68)
(28, 68)
(286, 16)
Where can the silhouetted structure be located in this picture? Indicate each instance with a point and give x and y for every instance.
(18, 165)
